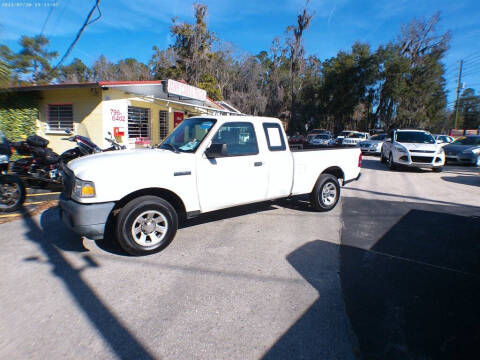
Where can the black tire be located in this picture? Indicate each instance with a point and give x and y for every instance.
(325, 182)
(391, 163)
(382, 158)
(12, 193)
(437, 169)
(131, 215)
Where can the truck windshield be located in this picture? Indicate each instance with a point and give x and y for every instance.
(415, 137)
(188, 135)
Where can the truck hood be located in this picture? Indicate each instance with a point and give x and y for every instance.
(124, 162)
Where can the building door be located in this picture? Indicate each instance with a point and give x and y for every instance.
(138, 125)
(177, 118)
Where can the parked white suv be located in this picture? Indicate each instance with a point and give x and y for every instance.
(414, 148)
(354, 138)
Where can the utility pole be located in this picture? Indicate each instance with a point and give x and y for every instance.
(458, 91)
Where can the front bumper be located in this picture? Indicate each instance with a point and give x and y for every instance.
(85, 219)
(420, 161)
(467, 159)
(371, 150)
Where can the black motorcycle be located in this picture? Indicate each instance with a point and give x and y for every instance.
(42, 169)
(85, 146)
(12, 189)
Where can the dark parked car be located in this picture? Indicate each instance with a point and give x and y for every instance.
(296, 139)
(464, 150)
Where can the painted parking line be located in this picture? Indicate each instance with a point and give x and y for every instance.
(35, 202)
(9, 215)
(44, 194)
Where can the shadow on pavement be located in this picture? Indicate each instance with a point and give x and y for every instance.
(410, 197)
(322, 332)
(114, 333)
(412, 291)
(473, 180)
(403, 284)
(376, 164)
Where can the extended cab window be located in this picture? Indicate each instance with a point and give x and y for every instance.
(274, 137)
(239, 137)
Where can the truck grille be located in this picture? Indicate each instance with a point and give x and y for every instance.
(422, 159)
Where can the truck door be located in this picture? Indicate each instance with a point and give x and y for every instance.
(239, 177)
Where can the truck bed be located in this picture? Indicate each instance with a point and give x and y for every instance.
(307, 162)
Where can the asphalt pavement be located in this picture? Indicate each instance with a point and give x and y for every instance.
(392, 272)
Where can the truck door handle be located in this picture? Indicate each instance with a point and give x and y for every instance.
(257, 163)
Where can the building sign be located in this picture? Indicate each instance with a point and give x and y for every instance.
(177, 118)
(184, 90)
(115, 115)
(461, 132)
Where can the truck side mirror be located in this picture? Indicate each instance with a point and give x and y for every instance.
(216, 151)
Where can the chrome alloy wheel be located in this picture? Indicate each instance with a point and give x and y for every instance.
(149, 228)
(329, 193)
(9, 194)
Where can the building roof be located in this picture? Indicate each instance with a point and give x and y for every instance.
(54, 86)
(148, 88)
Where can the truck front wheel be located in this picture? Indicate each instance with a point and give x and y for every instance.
(326, 193)
(146, 225)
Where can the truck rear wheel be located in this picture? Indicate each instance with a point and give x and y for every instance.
(146, 225)
(326, 193)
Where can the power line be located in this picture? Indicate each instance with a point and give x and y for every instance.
(472, 72)
(46, 20)
(473, 64)
(472, 54)
(65, 5)
(473, 68)
(473, 60)
(77, 37)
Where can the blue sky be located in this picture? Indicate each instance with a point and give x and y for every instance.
(129, 28)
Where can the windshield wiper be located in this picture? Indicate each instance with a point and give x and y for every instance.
(170, 147)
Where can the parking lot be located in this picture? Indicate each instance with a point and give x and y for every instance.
(393, 272)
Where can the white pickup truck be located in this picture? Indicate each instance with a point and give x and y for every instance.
(207, 163)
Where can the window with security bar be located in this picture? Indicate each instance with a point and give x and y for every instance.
(59, 117)
(163, 128)
(138, 122)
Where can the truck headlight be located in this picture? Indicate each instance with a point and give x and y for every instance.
(83, 189)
